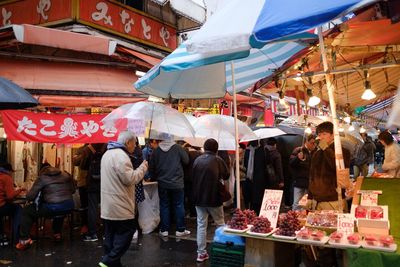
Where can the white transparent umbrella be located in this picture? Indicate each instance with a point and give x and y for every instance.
(160, 120)
(221, 128)
(263, 133)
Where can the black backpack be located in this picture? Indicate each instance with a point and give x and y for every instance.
(94, 165)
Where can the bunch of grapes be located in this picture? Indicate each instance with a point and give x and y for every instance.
(288, 224)
(238, 221)
(261, 225)
(250, 215)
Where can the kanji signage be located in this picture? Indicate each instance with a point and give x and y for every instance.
(102, 14)
(113, 17)
(35, 12)
(56, 128)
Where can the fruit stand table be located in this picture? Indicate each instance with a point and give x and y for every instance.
(270, 251)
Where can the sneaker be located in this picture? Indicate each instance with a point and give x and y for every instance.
(135, 235)
(102, 264)
(164, 234)
(24, 244)
(183, 233)
(90, 238)
(202, 257)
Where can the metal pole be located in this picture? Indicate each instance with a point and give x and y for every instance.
(237, 175)
(338, 146)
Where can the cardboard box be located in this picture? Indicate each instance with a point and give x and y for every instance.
(373, 226)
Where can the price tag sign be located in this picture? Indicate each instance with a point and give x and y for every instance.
(369, 199)
(270, 205)
(137, 126)
(345, 223)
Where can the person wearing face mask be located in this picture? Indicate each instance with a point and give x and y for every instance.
(117, 191)
(323, 180)
(300, 161)
(391, 163)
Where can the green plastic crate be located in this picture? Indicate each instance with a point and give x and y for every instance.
(227, 255)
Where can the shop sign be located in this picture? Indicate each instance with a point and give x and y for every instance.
(270, 205)
(369, 197)
(56, 128)
(35, 12)
(345, 223)
(115, 18)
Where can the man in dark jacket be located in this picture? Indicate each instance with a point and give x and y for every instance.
(300, 161)
(323, 180)
(363, 156)
(166, 167)
(54, 190)
(274, 159)
(208, 170)
(91, 163)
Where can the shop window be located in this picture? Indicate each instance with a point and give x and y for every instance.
(137, 4)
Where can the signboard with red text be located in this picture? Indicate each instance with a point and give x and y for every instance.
(270, 205)
(56, 128)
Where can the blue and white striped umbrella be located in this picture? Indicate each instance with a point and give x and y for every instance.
(184, 75)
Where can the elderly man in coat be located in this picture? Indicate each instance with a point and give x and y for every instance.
(117, 192)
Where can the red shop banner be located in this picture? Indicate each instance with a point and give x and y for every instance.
(56, 128)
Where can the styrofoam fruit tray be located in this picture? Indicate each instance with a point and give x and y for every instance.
(344, 243)
(391, 248)
(311, 241)
(260, 234)
(227, 229)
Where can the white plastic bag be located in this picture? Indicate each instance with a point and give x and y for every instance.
(149, 211)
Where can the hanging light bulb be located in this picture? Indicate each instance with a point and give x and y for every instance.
(362, 130)
(313, 100)
(347, 119)
(351, 128)
(341, 129)
(4, 135)
(368, 93)
(308, 130)
(378, 130)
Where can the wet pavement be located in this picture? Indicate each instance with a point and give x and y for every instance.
(150, 251)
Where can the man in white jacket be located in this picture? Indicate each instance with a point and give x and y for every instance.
(118, 179)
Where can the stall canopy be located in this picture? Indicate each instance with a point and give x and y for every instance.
(36, 35)
(12, 96)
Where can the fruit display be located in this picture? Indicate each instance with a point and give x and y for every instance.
(376, 213)
(386, 241)
(336, 237)
(304, 233)
(250, 215)
(288, 224)
(322, 219)
(238, 221)
(361, 212)
(317, 235)
(261, 225)
(353, 239)
(370, 240)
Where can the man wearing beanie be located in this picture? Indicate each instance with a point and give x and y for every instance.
(208, 170)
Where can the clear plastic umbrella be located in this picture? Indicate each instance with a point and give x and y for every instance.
(160, 120)
(263, 133)
(221, 128)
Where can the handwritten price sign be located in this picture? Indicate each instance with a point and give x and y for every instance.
(369, 199)
(345, 223)
(270, 205)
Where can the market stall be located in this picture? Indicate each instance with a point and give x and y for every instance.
(264, 245)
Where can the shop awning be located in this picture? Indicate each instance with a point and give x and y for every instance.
(36, 35)
(192, 9)
(146, 58)
(85, 101)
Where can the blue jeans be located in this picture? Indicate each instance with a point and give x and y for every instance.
(171, 198)
(298, 193)
(217, 213)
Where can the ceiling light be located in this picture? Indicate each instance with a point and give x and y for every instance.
(313, 100)
(362, 130)
(341, 129)
(368, 93)
(140, 73)
(351, 128)
(308, 130)
(347, 119)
